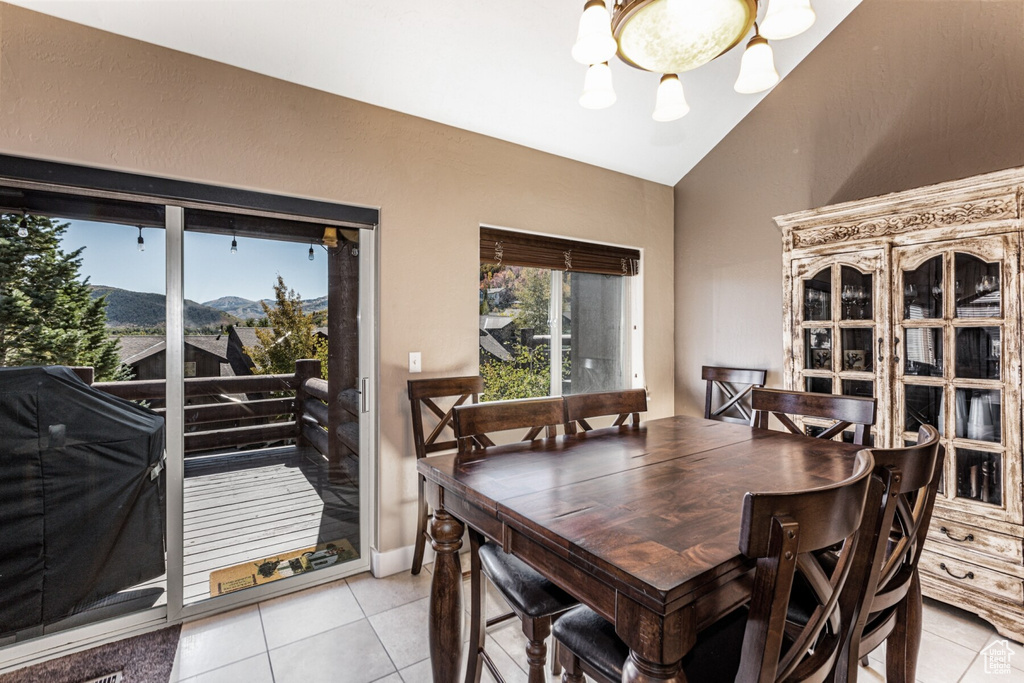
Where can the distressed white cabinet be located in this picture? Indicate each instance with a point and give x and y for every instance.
(915, 298)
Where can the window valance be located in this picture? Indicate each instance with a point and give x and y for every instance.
(509, 248)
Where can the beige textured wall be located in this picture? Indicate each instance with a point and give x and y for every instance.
(902, 94)
(75, 94)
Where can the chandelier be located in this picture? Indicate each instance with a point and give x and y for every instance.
(673, 36)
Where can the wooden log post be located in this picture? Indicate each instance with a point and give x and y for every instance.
(304, 369)
(343, 341)
(86, 374)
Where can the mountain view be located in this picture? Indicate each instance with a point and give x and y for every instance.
(145, 310)
(246, 308)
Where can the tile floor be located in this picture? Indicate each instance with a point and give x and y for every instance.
(363, 629)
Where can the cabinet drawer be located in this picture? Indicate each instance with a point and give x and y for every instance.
(974, 539)
(956, 573)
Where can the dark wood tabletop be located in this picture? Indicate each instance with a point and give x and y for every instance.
(641, 524)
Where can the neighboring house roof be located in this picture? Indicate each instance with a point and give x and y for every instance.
(133, 348)
(247, 335)
(495, 322)
(491, 346)
(217, 344)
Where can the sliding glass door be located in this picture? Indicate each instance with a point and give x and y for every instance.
(186, 408)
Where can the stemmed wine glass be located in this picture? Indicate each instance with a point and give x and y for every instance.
(849, 296)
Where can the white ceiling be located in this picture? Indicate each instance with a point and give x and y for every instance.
(502, 69)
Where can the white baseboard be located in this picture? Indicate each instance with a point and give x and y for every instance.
(394, 561)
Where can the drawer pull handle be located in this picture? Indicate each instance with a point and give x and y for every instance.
(968, 575)
(965, 539)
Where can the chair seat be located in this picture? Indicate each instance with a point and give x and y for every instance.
(528, 592)
(715, 656)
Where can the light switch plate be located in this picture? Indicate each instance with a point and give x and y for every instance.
(415, 362)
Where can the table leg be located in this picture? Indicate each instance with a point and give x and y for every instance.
(446, 598)
(656, 644)
(639, 670)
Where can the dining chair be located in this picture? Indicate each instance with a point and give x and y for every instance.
(733, 385)
(889, 609)
(778, 530)
(845, 410)
(627, 405)
(474, 423)
(426, 394)
(533, 598)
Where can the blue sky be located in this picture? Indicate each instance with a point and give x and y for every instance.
(112, 258)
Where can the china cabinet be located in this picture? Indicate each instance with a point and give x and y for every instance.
(915, 298)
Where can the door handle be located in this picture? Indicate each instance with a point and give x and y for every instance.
(896, 350)
(364, 394)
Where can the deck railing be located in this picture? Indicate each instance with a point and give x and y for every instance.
(230, 412)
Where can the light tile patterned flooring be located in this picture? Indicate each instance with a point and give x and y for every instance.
(363, 630)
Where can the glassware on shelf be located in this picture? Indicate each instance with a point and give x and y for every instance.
(848, 296)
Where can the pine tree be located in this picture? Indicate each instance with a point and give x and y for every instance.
(47, 313)
(292, 335)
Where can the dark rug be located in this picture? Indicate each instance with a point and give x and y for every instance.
(143, 659)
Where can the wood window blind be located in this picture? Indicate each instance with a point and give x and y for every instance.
(508, 248)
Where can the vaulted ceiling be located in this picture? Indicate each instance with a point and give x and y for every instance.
(500, 69)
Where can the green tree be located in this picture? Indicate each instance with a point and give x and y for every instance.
(292, 335)
(48, 315)
(534, 295)
(526, 375)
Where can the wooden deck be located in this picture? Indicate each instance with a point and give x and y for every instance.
(249, 505)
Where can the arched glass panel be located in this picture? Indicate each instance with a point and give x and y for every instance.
(977, 288)
(856, 294)
(922, 291)
(818, 296)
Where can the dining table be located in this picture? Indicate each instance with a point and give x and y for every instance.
(640, 523)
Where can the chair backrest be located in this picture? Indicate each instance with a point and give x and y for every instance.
(473, 423)
(734, 386)
(782, 530)
(845, 410)
(579, 407)
(904, 521)
(425, 393)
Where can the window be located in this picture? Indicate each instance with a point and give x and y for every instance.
(555, 316)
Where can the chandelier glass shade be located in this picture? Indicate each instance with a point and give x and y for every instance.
(674, 36)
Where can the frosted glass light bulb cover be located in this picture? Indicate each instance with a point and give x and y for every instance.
(787, 18)
(757, 68)
(597, 87)
(671, 102)
(594, 41)
(22, 231)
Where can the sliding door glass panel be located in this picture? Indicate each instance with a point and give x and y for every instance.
(922, 291)
(271, 465)
(82, 488)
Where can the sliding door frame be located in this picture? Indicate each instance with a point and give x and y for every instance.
(176, 197)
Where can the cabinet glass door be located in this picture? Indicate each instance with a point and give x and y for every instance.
(841, 339)
(951, 367)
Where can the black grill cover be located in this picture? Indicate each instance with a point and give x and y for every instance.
(80, 516)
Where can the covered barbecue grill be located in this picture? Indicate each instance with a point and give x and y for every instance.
(81, 495)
